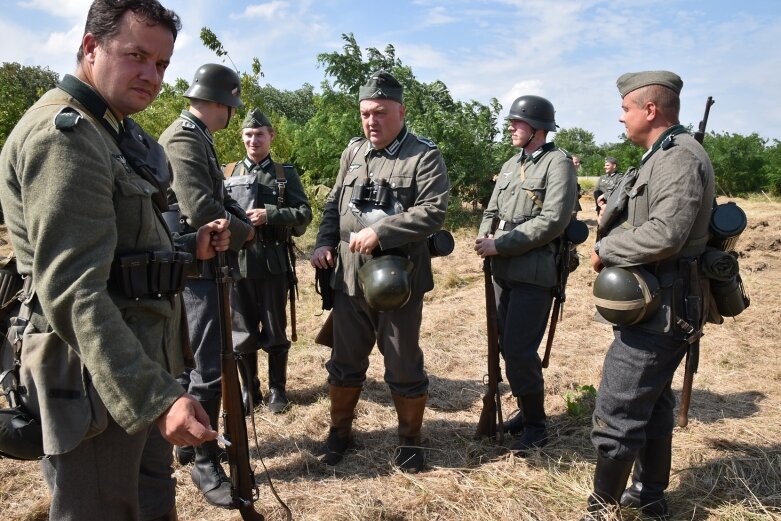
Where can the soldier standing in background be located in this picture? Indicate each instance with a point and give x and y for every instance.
(390, 195)
(607, 183)
(656, 219)
(198, 189)
(274, 199)
(82, 187)
(533, 201)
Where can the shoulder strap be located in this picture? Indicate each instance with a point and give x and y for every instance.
(228, 169)
(279, 169)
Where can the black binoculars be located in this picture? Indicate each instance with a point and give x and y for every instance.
(369, 192)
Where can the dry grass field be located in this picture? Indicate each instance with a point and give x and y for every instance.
(726, 462)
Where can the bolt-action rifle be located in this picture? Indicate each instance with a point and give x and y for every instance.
(693, 351)
(490, 423)
(243, 487)
(292, 285)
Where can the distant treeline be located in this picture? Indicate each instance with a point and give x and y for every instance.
(313, 128)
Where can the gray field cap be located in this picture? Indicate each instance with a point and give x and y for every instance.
(381, 85)
(255, 119)
(630, 81)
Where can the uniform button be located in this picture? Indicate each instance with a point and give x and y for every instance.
(371, 174)
(393, 185)
(146, 190)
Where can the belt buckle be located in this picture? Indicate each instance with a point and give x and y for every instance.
(501, 224)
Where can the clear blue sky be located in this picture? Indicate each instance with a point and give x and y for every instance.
(570, 51)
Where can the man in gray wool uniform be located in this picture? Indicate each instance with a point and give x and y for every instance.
(198, 189)
(655, 221)
(273, 197)
(390, 195)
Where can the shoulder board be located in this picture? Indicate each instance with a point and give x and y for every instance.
(67, 118)
(427, 142)
(188, 125)
(565, 152)
(355, 140)
(289, 166)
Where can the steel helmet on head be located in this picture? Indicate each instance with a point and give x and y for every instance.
(626, 296)
(385, 282)
(217, 83)
(534, 110)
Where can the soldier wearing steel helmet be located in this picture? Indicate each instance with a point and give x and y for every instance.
(390, 195)
(655, 222)
(533, 201)
(198, 190)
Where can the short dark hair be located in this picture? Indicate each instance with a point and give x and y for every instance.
(104, 18)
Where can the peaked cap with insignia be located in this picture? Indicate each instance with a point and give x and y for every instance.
(255, 119)
(381, 85)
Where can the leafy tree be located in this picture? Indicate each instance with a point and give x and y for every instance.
(772, 167)
(20, 87)
(738, 162)
(580, 142)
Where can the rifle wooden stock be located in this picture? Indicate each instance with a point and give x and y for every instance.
(490, 423)
(551, 332)
(325, 337)
(242, 478)
(692, 361)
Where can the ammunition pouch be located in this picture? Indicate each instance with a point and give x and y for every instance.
(270, 233)
(154, 274)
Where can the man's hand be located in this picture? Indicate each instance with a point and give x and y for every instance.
(211, 238)
(365, 241)
(601, 204)
(323, 257)
(186, 423)
(258, 216)
(596, 262)
(486, 247)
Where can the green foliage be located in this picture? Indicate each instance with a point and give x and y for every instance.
(772, 168)
(165, 109)
(739, 162)
(580, 402)
(20, 87)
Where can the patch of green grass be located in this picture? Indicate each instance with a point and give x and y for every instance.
(580, 402)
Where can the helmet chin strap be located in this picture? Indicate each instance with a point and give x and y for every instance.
(228, 119)
(534, 133)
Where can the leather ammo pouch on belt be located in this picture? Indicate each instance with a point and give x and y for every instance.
(150, 274)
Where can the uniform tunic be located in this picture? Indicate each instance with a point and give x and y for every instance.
(197, 188)
(661, 217)
(72, 204)
(418, 179)
(261, 295)
(533, 199)
(608, 182)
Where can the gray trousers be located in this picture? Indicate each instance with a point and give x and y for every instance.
(203, 312)
(113, 475)
(397, 333)
(635, 402)
(522, 311)
(258, 315)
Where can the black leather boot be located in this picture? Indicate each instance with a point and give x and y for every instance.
(250, 383)
(534, 432)
(650, 479)
(514, 425)
(277, 379)
(207, 473)
(170, 516)
(343, 402)
(610, 477)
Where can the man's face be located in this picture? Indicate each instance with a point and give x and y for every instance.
(609, 167)
(635, 119)
(382, 120)
(576, 162)
(520, 132)
(128, 69)
(257, 142)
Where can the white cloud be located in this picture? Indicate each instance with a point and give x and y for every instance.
(269, 11)
(72, 9)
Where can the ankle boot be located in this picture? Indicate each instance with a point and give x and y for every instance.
(250, 384)
(410, 456)
(650, 479)
(343, 402)
(535, 433)
(610, 477)
(207, 473)
(277, 379)
(514, 425)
